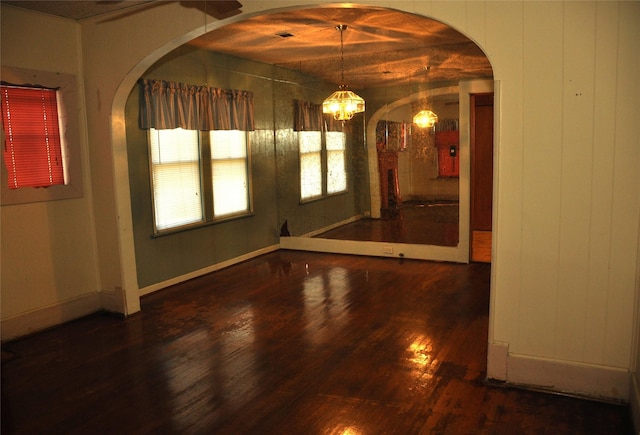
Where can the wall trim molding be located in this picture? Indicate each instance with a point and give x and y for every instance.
(196, 273)
(592, 381)
(53, 315)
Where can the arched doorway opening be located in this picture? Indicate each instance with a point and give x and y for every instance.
(311, 86)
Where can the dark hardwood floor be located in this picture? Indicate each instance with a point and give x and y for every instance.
(288, 343)
(415, 222)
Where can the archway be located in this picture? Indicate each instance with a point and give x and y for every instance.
(123, 195)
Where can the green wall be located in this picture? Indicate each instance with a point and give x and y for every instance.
(274, 168)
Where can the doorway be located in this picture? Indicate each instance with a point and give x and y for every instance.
(481, 140)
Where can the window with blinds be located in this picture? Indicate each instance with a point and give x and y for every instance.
(188, 192)
(175, 171)
(336, 165)
(322, 166)
(310, 143)
(229, 172)
(33, 152)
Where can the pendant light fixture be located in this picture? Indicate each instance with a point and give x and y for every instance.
(343, 103)
(425, 118)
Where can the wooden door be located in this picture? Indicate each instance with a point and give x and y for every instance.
(481, 176)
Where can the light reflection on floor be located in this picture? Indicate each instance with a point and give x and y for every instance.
(326, 305)
(229, 367)
(421, 351)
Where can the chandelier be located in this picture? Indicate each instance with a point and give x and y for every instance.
(425, 119)
(343, 103)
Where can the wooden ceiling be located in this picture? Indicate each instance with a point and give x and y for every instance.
(382, 47)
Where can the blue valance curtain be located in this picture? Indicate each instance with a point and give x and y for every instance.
(309, 117)
(167, 105)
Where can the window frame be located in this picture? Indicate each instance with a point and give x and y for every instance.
(175, 163)
(206, 187)
(301, 155)
(68, 113)
(343, 152)
(249, 185)
(324, 168)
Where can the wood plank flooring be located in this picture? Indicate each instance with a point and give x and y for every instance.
(481, 246)
(416, 222)
(288, 343)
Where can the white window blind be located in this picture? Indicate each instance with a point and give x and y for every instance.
(175, 164)
(336, 169)
(229, 172)
(313, 182)
(310, 143)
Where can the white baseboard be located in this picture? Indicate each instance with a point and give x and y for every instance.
(497, 357)
(37, 320)
(457, 254)
(567, 377)
(178, 279)
(112, 301)
(333, 226)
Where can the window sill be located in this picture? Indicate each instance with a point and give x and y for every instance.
(320, 198)
(200, 225)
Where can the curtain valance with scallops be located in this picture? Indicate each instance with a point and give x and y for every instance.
(309, 117)
(168, 105)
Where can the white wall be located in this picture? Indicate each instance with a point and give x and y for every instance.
(49, 263)
(567, 198)
(568, 193)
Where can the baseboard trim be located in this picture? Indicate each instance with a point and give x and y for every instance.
(113, 301)
(37, 320)
(178, 279)
(567, 377)
(497, 358)
(334, 226)
(456, 254)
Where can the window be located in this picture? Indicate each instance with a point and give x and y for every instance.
(175, 171)
(229, 172)
(187, 192)
(72, 147)
(336, 165)
(33, 144)
(318, 177)
(310, 143)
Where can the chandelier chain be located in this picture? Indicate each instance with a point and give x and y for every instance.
(343, 103)
(342, 28)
